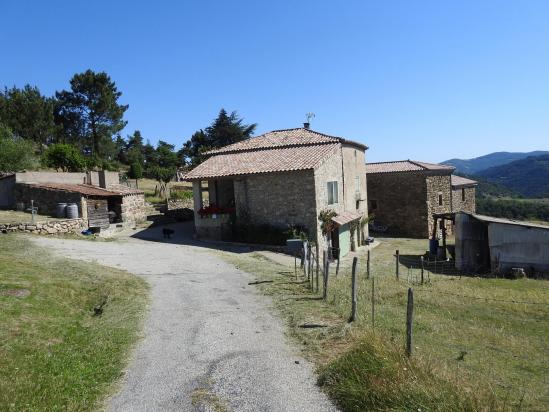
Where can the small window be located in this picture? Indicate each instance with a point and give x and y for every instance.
(463, 194)
(440, 199)
(357, 184)
(332, 193)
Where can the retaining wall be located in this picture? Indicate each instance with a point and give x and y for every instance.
(52, 227)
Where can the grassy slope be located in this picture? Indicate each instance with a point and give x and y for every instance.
(54, 354)
(505, 344)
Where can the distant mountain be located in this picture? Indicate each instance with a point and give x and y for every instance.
(473, 166)
(528, 177)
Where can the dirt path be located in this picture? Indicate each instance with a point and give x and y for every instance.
(210, 341)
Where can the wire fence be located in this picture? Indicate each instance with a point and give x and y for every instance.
(476, 332)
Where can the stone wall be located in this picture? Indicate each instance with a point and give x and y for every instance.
(180, 204)
(438, 185)
(46, 199)
(133, 209)
(399, 201)
(329, 171)
(277, 199)
(354, 174)
(469, 204)
(52, 227)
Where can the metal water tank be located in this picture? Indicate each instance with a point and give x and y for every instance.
(61, 210)
(72, 211)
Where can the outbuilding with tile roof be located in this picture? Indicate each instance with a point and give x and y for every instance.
(404, 195)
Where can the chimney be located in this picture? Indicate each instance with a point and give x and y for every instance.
(102, 179)
(306, 125)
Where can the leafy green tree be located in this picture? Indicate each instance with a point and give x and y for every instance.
(136, 171)
(28, 113)
(90, 112)
(163, 175)
(16, 154)
(150, 157)
(135, 149)
(65, 157)
(166, 156)
(226, 129)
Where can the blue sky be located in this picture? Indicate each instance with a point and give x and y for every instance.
(411, 79)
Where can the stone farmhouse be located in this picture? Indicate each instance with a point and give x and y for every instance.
(283, 178)
(404, 195)
(463, 194)
(99, 197)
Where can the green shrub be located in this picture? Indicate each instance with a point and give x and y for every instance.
(181, 194)
(136, 171)
(65, 157)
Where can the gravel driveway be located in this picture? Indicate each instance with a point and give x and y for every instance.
(210, 340)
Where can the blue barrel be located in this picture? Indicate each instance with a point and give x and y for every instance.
(61, 210)
(433, 247)
(72, 211)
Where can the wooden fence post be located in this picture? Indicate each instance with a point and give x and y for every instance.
(422, 269)
(353, 291)
(373, 302)
(337, 267)
(317, 264)
(368, 265)
(409, 320)
(295, 265)
(397, 263)
(310, 266)
(326, 275)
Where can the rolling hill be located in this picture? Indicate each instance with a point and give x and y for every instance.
(474, 166)
(528, 177)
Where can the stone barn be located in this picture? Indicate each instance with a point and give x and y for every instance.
(98, 195)
(463, 194)
(100, 206)
(404, 195)
(282, 178)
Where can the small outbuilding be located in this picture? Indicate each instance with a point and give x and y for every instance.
(489, 244)
(98, 196)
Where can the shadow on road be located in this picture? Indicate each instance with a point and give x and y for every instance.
(183, 235)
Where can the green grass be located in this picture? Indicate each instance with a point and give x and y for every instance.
(54, 353)
(12, 216)
(473, 348)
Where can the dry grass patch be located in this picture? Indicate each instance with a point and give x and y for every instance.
(479, 344)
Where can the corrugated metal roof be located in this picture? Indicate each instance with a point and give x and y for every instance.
(490, 219)
(458, 181)
(274, 159)
(406, 166)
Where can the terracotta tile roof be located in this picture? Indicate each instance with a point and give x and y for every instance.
(346, 217)
(124, 190)
(284, 138)
(87, 190)
(278, 159)
(406, 166)
(458, 181)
